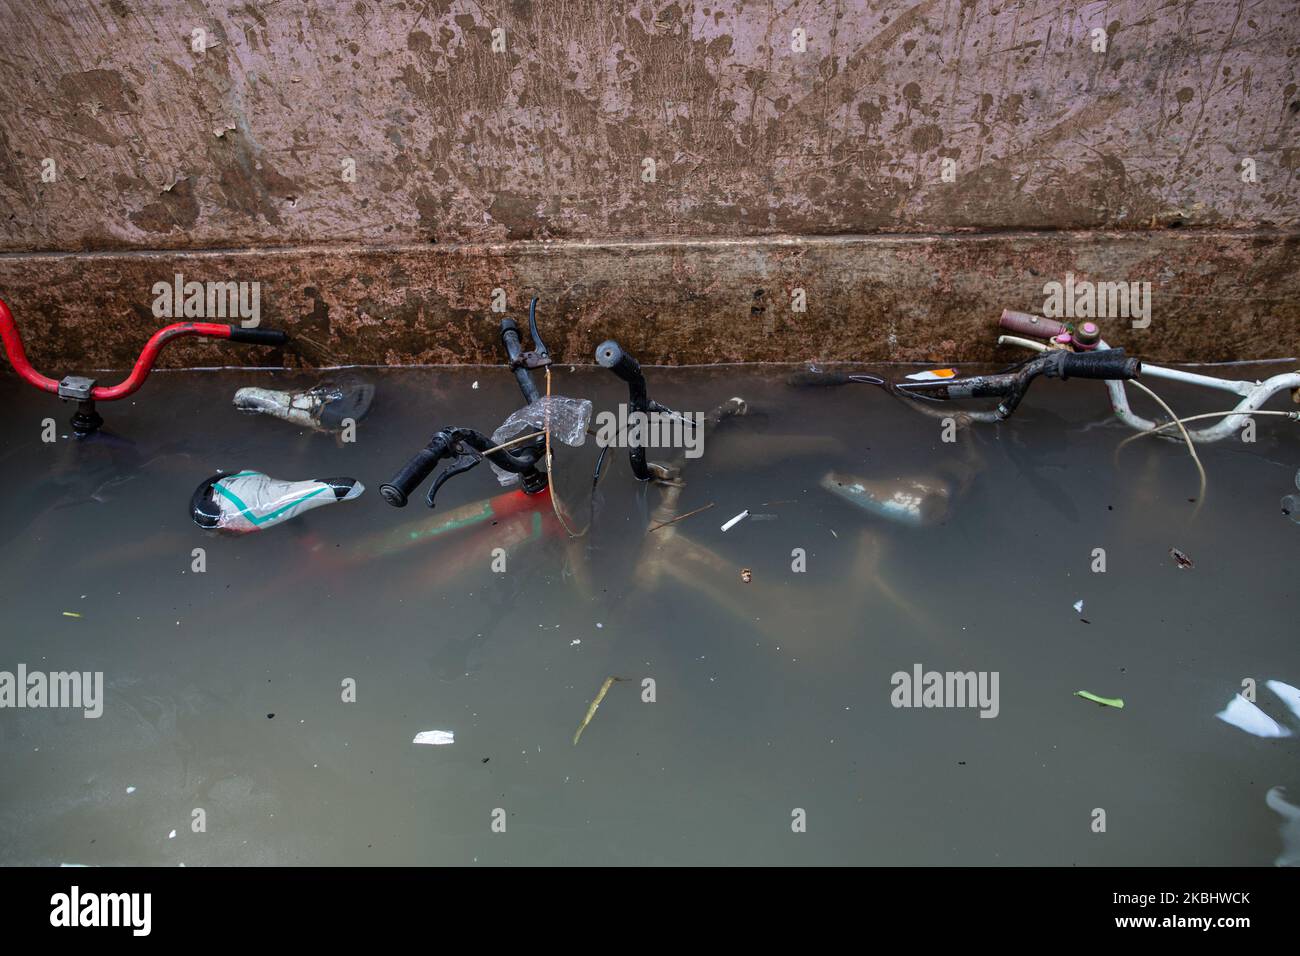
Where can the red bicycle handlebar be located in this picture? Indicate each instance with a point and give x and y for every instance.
(13, 345)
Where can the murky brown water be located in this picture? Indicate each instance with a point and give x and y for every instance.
(772, 699)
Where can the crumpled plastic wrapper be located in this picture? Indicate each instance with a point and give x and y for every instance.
(568, 419)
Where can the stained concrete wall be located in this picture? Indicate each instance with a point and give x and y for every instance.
(505, 145)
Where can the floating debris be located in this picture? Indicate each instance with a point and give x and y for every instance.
(1078, 606)
(1290, 828)
(436, 738)
(1287, 694)
(1183, 560)
(746, 575)
(1245, 715)
(595, 705)
(1104, 701)
(665, 524)
(735, 521)
(71, 614)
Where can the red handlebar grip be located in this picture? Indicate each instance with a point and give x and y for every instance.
(1022, 323)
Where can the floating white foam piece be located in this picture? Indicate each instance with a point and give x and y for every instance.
(1287, 694)
(1290, 826)
(1244, 715)
(434, 737)
(1078, 605)
(735, 521)
(172, 835)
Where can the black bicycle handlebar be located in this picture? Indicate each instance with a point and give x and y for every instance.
(461, 443)
(473, 446)
(1108, 364)
(398, 489)
(521, 362)
(610, 355)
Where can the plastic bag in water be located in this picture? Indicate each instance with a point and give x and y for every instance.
(567, 418)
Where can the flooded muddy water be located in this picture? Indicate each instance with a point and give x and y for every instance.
(262, 710)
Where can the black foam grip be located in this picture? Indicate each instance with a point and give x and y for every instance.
(258, 336)
(1107, 364)
(397, 489)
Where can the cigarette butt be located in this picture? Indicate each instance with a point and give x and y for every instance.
(735, 521)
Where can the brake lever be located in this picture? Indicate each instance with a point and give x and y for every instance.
(447, 474)
(540, 356)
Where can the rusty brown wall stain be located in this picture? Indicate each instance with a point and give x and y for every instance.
(523, 169)
(677, 302)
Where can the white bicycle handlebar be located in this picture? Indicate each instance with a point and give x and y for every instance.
(1254, 394)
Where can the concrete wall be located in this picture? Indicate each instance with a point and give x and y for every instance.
(774, 170)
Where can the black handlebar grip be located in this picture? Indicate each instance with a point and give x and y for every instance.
(510, 336)
(610, 355)
(399, 487)
(1023, 323)
(1108, 364)
(257, 336)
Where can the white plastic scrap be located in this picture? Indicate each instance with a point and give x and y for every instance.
(1244, 715)
(1078, 605)
(735, 521)
(434, 737)
(1290, 827)
(1287, 694)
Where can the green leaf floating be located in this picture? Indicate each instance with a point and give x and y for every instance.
(1107, 701)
